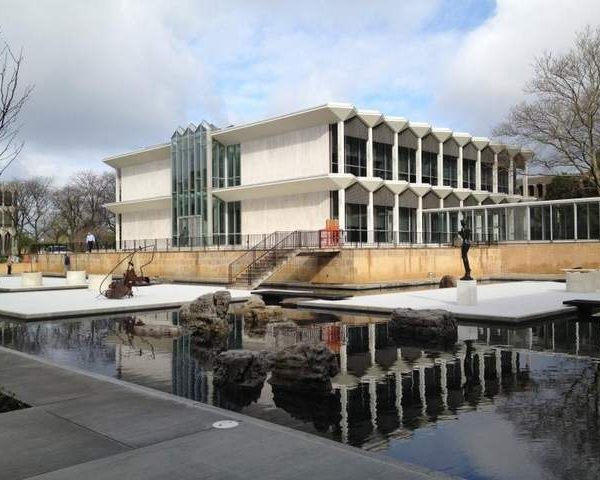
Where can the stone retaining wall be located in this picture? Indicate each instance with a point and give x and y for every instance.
(351, 266)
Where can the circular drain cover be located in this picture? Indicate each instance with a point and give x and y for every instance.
(224, 424)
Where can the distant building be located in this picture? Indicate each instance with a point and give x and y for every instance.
(538, 185)
(7, 230)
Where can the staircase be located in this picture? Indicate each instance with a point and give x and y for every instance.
(265, 258)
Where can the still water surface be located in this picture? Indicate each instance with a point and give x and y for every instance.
(502, 404)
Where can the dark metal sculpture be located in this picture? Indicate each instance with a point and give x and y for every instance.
(123, 288)
(465, 234)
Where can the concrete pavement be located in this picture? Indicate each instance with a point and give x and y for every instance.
(86, 426)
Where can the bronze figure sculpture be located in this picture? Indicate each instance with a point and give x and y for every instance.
(465, 234)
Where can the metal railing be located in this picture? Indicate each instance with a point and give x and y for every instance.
(303, 239)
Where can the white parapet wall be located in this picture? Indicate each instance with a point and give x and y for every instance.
(76, 277)
(31, 279)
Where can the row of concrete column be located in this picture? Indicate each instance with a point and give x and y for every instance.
(442, 135)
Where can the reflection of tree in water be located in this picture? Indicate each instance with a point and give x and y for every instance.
(85, 338)
(561, 416)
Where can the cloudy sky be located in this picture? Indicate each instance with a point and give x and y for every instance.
(115, 75)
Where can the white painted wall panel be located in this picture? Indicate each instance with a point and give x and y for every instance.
(307, 211)
(147, 224)
(146, 180)
(300, 153)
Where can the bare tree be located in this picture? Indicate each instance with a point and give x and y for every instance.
(561, 115)
(32, 209)
(12, 100)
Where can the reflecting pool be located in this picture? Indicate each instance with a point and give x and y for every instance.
(503, 403)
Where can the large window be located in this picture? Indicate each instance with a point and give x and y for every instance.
(563, 227)
(382, 160)
(383, 223)
(333, 147)
(234, 170)
(487, 177)
(407, 225)
(502, 180)
(587, 221)
(356, 222)
(407, 168)
(540, 222)
(450, 173)
(234, 219)
(356, 156)
(469, 168)
(429, 170)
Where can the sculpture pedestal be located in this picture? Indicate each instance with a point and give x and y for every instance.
(31, 279)
(76, 277)
(466, 292)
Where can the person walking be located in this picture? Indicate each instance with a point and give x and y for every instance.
(67, 263)
(9, 263)
(90, 239)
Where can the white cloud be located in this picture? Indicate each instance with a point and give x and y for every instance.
(116, 75)
(486, 74)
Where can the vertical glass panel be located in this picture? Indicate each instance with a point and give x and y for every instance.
(383, 223)
(407, 164)
(356, 222)
(382, 160)
(563, 222)
(450, 171)
(333, 147)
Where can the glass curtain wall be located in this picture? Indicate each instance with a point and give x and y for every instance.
(502, 180)
(234, 168)
(189, 184)
(579, 221)
(234, 219)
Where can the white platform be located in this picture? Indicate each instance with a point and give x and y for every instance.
(42, 305)
(12, 283)
(511, 302)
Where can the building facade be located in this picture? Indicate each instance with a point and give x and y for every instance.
(372, 173)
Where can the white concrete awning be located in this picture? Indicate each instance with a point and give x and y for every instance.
(480, 195)
(442, 191)
(370, 183)
(396, 186)
(294, 186)
(419, 189)
(152, 203)
(144, 155)
(497, 197)
(462, 193)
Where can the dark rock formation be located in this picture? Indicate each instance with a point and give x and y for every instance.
(257, 315)
(448, 281)
(242, 368)
(206, 318)
(430, 326)
(304, 367)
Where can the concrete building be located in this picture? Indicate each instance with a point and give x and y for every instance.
(373, 173)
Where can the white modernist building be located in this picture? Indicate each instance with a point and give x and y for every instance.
(374, 173)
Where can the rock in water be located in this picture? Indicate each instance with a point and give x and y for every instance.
(206, 318)
(304, 367)
(241, 368)
(448, 281)
(430, 326)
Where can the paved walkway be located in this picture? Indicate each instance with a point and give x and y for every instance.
(76, 303)
(86, 426)
(511, 303)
